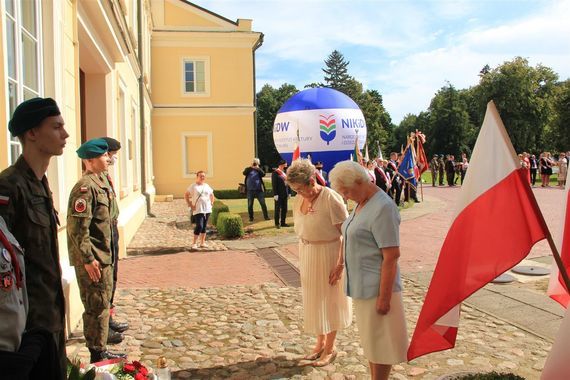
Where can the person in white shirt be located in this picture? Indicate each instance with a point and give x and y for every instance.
(200, 198)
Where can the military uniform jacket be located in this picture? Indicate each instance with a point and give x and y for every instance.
(114, 206)
(434, 165)
(13, 300)
(89, 221)
(26, 205)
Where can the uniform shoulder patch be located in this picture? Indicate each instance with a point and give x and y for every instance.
(6, 281)
(80, 205)
(83, 189)
(4, 200)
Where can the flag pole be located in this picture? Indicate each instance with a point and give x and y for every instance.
(553, 248)
(559, 262)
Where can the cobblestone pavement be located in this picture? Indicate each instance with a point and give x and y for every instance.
(224, 314)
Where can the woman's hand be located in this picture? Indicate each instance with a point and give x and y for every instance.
(382, 305)
(336, 274)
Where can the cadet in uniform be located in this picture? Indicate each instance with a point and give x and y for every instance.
(90, 246)
(441, 169)
(434, 168)
(26, 204)
(114, 326)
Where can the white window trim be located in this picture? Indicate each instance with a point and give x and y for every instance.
(19, 70)
(208, 135)
(206, 61)
(124, 136)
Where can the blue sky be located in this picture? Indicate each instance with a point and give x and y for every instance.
(407, 50)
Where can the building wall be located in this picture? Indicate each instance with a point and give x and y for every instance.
(211, 130)
(3, 117)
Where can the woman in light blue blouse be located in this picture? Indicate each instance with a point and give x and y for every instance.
(371, 250)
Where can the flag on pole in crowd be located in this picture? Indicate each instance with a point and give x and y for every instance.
(380, 151)
(366, 155)
(422, 160)
(297, 148)
(357, 156)
(406, 168)
(556, 288)
(496, 224)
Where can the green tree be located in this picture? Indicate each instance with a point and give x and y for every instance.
(449, 125)
(269, 100)
(524, 96)
(378, 121)
(561, 124)
(336, 72)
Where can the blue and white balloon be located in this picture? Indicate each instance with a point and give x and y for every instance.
(327, 123)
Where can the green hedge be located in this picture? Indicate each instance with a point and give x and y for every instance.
(217, 208)
(230, 225)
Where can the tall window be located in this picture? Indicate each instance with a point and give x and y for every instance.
(23, 60)
(194, 76)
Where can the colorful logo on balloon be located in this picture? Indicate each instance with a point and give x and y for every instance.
(327, 125)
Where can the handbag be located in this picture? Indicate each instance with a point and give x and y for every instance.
(241, 188)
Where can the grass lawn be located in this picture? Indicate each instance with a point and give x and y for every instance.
(262, 227)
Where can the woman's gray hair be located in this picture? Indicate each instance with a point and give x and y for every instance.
(300, 172)
(346, 173)
(256, 161)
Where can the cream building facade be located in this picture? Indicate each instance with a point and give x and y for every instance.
(203, 93)
(95, 58)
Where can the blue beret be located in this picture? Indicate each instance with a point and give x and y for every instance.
(31, 113)
(92, 149)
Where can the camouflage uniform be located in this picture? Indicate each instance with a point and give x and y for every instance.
(114, 213)
(26, 204)
(441, 170)
(434, 168)
(89, 238)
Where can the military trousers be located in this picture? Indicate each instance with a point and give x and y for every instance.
(96, 298)
(115, 249)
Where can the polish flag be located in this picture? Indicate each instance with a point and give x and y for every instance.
(496, 224)
(556, 289)
(297, 149)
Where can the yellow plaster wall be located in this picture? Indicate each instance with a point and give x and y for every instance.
(232, 141)
(231, 75)
(180, 15)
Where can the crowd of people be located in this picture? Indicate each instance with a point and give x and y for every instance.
(543, 166)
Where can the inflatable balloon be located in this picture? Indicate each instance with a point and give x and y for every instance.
(325, 123)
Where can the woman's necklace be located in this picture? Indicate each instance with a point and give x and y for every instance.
(313, 199)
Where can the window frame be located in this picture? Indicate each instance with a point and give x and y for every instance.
(185, 172)
(19, 32)
(195, 59)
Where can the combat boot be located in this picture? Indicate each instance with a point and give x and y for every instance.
(100, 355)
(118, 326)
(114, 337)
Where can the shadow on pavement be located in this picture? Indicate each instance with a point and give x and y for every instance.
(267, 369)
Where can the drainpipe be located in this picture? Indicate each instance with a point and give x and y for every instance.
(141, 110)
(255, 47)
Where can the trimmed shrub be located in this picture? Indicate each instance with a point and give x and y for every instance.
(217, 208)
(234, 194)
(230, 225)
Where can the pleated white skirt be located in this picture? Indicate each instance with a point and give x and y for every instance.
(325, 308)
(384, 338)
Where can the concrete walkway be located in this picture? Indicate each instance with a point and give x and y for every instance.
(222, 312)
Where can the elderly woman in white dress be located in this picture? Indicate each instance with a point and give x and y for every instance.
(371, 251)
(318, 213)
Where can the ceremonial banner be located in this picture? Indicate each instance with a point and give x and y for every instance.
(496, 224)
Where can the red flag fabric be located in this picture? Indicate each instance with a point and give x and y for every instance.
(556, 288)
(421, 159)
(496, 224)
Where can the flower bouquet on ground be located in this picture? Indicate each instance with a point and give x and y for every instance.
(134, 370)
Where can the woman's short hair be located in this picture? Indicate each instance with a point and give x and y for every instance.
(346, 173)
(300, 172)
(256, 161)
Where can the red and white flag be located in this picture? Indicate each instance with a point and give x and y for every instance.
(556, 288)
(297, 148)
(496, 224)
(557, 366)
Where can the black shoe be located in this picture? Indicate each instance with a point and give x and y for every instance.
(267, 218)
(97, 356)
(284, 225)
(250, 220)
(114, 337)
(277, 226)
(118, 326)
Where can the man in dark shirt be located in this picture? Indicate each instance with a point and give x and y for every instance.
(280, 194)
(255, 188)
(26, 204)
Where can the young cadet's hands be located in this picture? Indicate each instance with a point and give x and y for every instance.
(93, 270)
